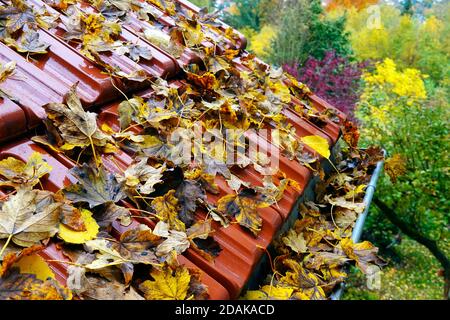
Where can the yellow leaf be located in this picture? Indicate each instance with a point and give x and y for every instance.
(36, 265)
(395, 167)
(270, 293)
(19, 173)
(353, 193)
(168, 284)
(255, 295)
(280, 293)
(71, 236)
(243, 207)
(295, 241)
(167, 208)
(318, 144)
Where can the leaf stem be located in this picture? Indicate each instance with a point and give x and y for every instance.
(5, 245)
(93, 151)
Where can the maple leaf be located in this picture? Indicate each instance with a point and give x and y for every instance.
(20, 173)
(167, 284)
(343, 203)
(28, 42)
(96, 288)
(176, 241)
(192, 32)
(243, 207)
(136, 52)
(306, 282)
(295, 241)
(272, 193)
(135, 246)
(18, 286)
(201, 241)
(319, 259)
(134, 109)
(197, 289)
(28, 217)
(111, 212)
(395, 167)
(344, 218)
(353, 193)
(109, 255)
(188, 193)
(363, 253)
(268, 292)
(138, 244)
(207, 81)
(105, 284)
(142, 177)
(167, 208)
(95, 187)
(71, 126)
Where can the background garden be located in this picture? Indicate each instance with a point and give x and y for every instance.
(386, 64)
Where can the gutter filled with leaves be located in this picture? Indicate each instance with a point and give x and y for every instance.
(359, 225)
(312, 252)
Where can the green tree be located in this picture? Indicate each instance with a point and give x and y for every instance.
(305, 31)
(242, 14)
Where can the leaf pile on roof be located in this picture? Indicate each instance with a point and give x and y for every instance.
(230, 89)
(78, 220)
(311, 256)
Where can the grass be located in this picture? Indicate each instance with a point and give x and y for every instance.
(414, 278)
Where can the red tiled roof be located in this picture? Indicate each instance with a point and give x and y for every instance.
(46, 78)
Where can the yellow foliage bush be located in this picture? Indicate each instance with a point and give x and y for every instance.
(260, 43)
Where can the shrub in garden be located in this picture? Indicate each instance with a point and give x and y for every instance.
(334, 78)
(397, 113)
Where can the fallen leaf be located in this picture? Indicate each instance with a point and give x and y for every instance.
(10, 258)
(29, 217)
(243, 207)
(167, 208)
(36, 265)
(363, 253)
(270, 293)
(95, 186)
(7, 70)
(71, 217)
(75, 127)
(18, 286)
(110, 213)
(142, 177)
(358, 207)
(79, 237)
(19, 173)
(295, 241)
(318, 144)
(350, 134)
(167, 284)
(188, 193)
